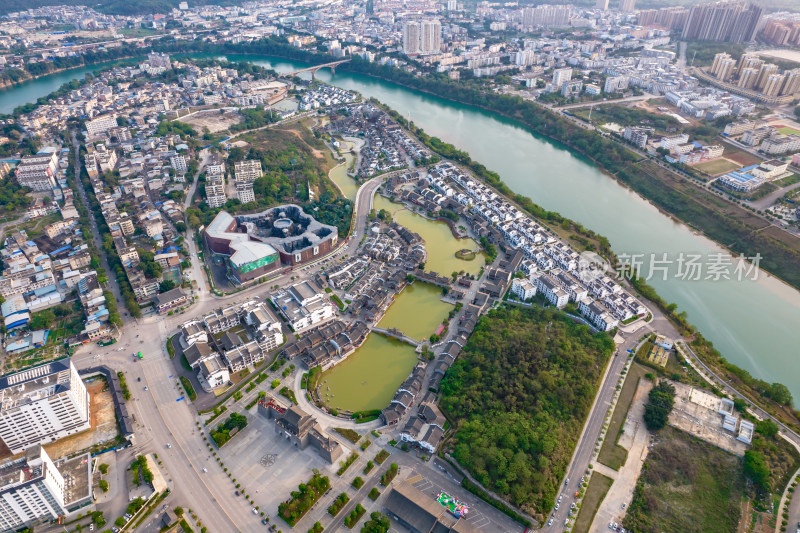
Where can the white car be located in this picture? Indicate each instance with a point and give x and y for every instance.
(556, 507)
(255, 511)
(611, 525)
(550, 522)
(169, 445)
(205, 470)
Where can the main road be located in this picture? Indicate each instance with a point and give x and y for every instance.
(166, 423)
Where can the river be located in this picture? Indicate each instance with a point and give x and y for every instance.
(31, 90)
(754, 324)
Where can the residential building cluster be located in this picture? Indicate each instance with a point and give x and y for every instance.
(50, 268)
(753, 74)
(763, 136)
(229, 340)
(386, 145)
(551, 266)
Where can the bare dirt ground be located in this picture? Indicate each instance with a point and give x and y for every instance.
(103, 423)
(215, 120)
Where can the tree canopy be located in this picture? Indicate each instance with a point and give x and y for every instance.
(518, 395)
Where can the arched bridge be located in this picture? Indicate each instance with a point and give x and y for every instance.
(313, 70)
(397, 334)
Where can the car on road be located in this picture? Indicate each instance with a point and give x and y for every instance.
(550, 522)
(566, 482)
(146, 388)
(91, 527)
(559, 499)
(556, 507)
(169, 445)
(205, 470)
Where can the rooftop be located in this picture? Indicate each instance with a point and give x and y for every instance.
(34, 383)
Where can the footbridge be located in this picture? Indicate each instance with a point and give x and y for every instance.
(397, 334)
(313, 70)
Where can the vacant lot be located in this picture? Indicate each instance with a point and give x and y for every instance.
(717, 166)
(215, 120)
(738, 155)
(686, 485)
(595, 492)
(612, 454)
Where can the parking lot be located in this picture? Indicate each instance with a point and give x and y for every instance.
(268, 466)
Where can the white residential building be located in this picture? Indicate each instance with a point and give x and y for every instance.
(523, 288)
(101, 124)
(42, 404)
(551, 290)
(33, 490)
(303, 305)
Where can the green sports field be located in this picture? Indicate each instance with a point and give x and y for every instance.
(786, 130)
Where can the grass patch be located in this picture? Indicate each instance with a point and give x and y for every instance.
(381, 457)
(338, 301)
(170, 347)
(187, 385)
(349, 434)
(612, 454)
(185, 364)
(355, 515)
(289, 394)
(389, 475)
(717, 166)
(228, 429)
(687, 485)
(365, 444)
(303, 499)
(344, 465)
(338, 504)
(595, 492)
(788, 180)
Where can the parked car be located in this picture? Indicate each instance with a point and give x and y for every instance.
(255, 511)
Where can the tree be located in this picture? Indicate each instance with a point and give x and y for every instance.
(656, 412)
(779, 393)
(166, 285)
(103, 484)
(755, 467)
(103, 468)
(797, 111)
(767, 427)
(377, 523)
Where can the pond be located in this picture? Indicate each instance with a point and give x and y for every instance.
(440, 243)
(369, 377)
(417, 311)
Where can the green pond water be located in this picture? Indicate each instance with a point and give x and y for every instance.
(440, 243)
(417, 311)
(339, 176)
(368, 378)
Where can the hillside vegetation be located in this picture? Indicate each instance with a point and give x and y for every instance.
(518, 396)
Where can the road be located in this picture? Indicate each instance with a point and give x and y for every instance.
(197, 272)
(161, 419)
(584, 451)
(98, 241)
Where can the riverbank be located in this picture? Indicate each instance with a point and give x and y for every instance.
(569, 183)
(726, 223)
